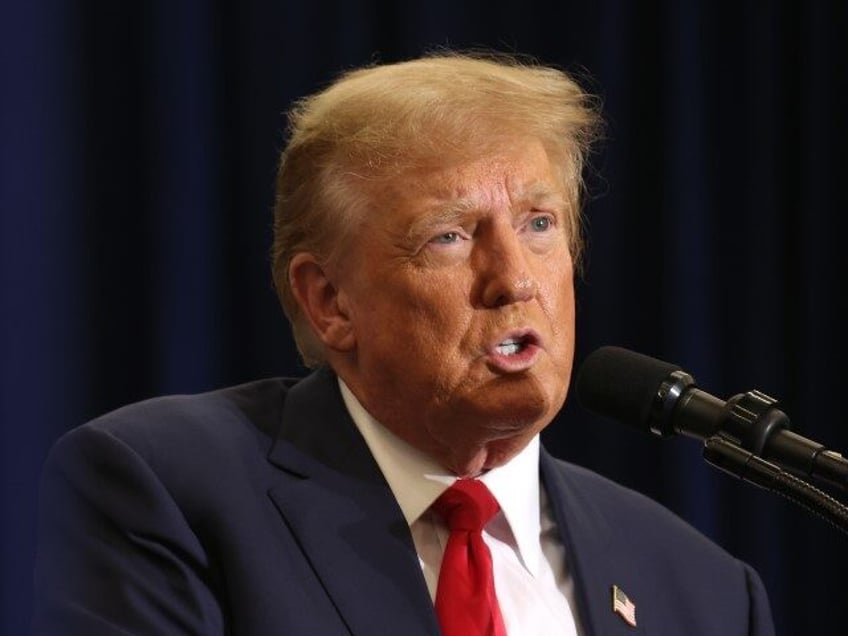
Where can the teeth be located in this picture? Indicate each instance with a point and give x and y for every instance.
(509, 347)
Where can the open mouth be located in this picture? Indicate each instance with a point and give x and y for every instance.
(514, 345)
(510, 346)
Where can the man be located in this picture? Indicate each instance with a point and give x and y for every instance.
(426, 235)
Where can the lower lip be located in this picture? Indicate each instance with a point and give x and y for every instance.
(516, 362)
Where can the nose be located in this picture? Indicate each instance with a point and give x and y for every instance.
(503, 270)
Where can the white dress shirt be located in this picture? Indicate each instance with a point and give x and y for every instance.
(534, 587)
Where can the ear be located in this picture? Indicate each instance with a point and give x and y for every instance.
(320, 302)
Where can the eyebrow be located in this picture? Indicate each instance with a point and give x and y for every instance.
(452, 211)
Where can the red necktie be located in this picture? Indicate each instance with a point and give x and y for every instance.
(465, 597)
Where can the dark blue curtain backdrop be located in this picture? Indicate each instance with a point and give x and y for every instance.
(137, 153)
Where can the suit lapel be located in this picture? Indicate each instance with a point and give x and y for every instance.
(590, 551)
(333, 497)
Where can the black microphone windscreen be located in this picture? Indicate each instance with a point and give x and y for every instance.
(621, 384)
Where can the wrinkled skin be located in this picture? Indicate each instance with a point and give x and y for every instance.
(451, 315)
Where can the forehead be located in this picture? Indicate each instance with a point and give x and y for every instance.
(516, 172)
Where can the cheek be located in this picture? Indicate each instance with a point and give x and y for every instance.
(557, 300)
(557, 294)
(437, 326)
(436, 297)
(413, 312)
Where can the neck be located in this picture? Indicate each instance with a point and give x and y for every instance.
(476, 460)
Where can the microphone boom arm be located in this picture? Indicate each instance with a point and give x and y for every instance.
(730, 458)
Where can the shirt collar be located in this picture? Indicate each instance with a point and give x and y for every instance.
(416, 480)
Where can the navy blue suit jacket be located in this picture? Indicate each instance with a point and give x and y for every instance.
(259, 510)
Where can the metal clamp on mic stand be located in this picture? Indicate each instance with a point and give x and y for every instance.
(753, 421)
(727, 456)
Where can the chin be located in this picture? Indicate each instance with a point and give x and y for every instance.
(511, 405)
(499, 453)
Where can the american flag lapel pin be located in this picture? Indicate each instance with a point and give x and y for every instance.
(623, 606)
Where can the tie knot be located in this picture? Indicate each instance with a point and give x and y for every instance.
(467, 505)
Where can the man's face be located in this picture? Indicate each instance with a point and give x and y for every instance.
(458, 287)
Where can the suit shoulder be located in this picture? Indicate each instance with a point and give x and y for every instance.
(184, 426)
(651, 549)
(646, 521)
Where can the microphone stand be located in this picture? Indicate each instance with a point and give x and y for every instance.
(753, 421)
(736, 461)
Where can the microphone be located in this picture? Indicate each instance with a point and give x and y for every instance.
(660, 398)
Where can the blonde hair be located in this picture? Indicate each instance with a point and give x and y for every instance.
(376, 122)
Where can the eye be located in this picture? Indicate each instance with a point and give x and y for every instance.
(446, 239)
(541, 223)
